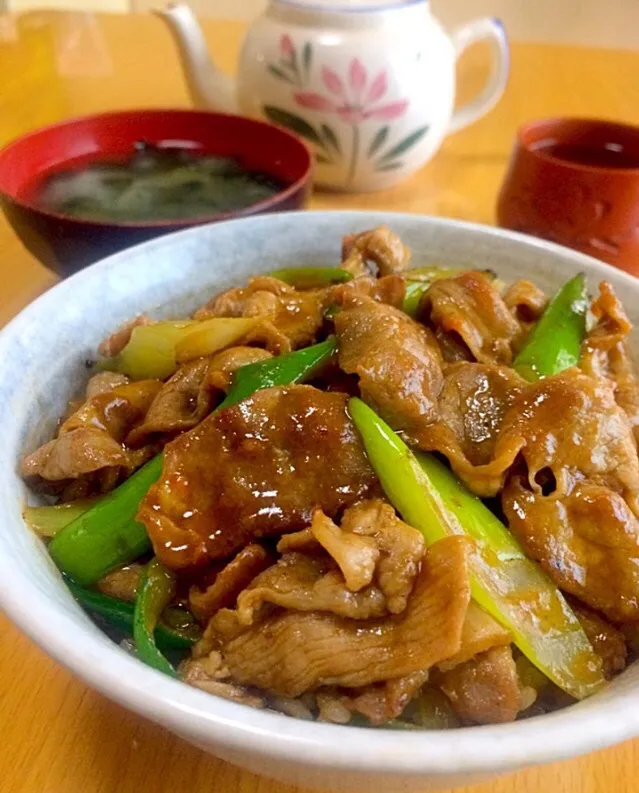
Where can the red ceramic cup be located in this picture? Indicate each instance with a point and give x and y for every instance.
(66, 244)
(576, 182)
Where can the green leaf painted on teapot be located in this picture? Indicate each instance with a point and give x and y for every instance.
(296, 123)
(331, 138)
(307, 56)
(378, 140)
(405, 144)
(276, 71)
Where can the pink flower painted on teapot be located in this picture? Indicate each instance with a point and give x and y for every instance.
(356, 99)
(286, 46)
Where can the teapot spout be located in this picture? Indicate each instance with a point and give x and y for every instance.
(208, 86)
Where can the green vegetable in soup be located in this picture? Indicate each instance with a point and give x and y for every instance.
(161, 182)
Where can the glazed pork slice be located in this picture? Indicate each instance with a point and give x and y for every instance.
(470, 308)
(292, 652)
(256, 469)
(390, 289)
(232, 579)
(457, 410)
(563, 429)
(365, 568)
(480, 633)
(380, 246)
(189, 395)
(303, 582)
(526, 302)
(378, 702)
(485, 690)
(182, 402)
(472, 405)
(291, 319)
(606, 353)
(607, 641)
(92, 439)
(572, 429)
(587, 542)
(473, 402)
(401, 548)
(573, 504)
(397, 361)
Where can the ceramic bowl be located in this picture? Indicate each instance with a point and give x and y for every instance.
(67, 244)
(43, 352)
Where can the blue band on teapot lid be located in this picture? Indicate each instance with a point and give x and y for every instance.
(351, 5)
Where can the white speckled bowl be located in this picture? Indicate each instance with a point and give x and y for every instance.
(42, 352)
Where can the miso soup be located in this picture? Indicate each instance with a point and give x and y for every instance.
(157, 182)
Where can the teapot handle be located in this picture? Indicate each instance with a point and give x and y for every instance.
(491, 30)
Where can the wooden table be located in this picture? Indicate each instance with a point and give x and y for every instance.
(56, 735)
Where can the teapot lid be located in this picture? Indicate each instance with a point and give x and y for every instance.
(351, 5)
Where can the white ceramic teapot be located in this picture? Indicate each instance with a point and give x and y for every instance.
(370, 84)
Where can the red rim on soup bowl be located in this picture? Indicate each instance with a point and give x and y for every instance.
(66, 244)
